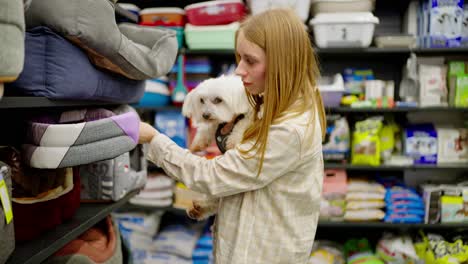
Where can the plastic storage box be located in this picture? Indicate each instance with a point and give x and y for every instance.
(332, 92)
(211, 37)
(215, 12)
(166, 16)
(300, 7)
(343, 29)
(334, 6)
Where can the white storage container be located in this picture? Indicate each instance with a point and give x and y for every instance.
(301, 7)
(343, 29)
(334, 6)
(331, 90)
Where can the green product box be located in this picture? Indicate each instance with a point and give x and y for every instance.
(461, 95)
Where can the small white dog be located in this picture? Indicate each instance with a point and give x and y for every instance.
(219, 110)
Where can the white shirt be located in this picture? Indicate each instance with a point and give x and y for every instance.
(270, 218)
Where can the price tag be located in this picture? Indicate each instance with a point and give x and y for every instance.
(5, 200)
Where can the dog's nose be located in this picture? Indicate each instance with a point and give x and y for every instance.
(206, 116)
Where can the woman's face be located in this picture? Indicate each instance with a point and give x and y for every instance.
(252, 65)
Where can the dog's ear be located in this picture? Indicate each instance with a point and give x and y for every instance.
(187, 107)
(238, 97)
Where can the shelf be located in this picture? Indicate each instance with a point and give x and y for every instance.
(37, 250)
(329, 224)
(348, 109)
(37, 102)
(383, 225)
(328, 165)
(349, 51)
(460, 166)
(395, 110)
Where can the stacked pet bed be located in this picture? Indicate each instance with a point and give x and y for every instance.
(113, 179)
(57, 69)
(41, 199)
(158, 192)
(6, 221)
(99, 244)
(134, 51)
(12, 39)
(80, 137)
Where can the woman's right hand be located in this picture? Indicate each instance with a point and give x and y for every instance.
(147, 133)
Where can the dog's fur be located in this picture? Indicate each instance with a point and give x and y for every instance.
(213, 102)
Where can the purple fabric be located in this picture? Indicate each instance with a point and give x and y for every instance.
(36, 131)
(28, 152)
(129, 123)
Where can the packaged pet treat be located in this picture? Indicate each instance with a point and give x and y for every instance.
(337, 140)
(461, 95)
(445, 28)
(366, 142)
(326, 252)
(433, 248)
(364, 215)
(397, 249)
(360, 251)
(452, 145)
(464, 35)
(420, 143)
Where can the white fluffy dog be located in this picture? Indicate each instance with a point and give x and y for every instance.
(219, 110)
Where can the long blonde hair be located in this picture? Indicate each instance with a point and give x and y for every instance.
(291, 74)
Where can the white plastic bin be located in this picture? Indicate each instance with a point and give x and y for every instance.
(343, 29)
(334, 6)
(301, 7)
(331, 90)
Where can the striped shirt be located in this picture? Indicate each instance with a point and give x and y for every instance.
(269, 218)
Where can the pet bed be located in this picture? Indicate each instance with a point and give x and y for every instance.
(57, 69)
(54, 195)
(99, 244)
(6, 228)
(134, 51)
(12, 39)
(113, 179)
(79, 137)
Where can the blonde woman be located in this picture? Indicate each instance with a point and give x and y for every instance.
(270, 184)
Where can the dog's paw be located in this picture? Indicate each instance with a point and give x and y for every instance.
(196, 212)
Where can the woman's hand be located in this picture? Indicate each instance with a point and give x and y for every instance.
(147, 133)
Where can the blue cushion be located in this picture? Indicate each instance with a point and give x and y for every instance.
(57, 69)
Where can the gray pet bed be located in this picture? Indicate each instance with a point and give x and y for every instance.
(113, 179)
(11, 39)
(134, 51)
(79, 137)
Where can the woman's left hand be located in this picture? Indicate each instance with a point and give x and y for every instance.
(147, 133)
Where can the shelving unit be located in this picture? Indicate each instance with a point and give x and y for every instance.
(11, 102)
(37, 250)
(350, 110)
(439, 167)
(371, 51)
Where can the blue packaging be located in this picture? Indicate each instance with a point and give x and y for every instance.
(172, 124)
(464, 34)
(420, 143)
(445, 23)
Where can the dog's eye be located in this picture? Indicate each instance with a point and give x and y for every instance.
(217, 100)
(202, 101)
